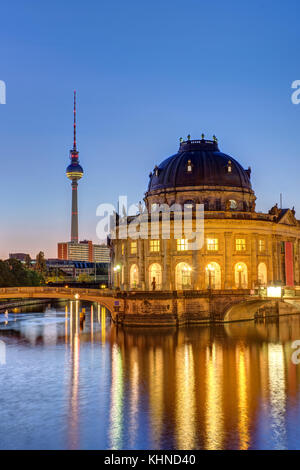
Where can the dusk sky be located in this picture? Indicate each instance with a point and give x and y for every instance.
(146, 73)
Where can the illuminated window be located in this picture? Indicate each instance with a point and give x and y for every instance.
(154, 245)
(133, 248)
(183, 276)
(262, 274)
(189, 166)
(240, 244)
(241, 276)
(212, 244)
(182, 244)
(233, 204)
(123, 249)
(261, 245)
(155, 276)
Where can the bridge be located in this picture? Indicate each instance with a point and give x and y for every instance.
(168, 308)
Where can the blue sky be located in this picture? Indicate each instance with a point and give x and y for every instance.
(146, 73)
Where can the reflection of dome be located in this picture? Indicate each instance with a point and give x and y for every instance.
(74, 171)
(199, 163)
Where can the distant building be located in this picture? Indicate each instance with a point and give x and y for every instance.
(83, 251)
(72, 269)
(19, 256)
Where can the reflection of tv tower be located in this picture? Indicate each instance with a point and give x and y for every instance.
(74, 173)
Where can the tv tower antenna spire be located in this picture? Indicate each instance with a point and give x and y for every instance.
(74, 111)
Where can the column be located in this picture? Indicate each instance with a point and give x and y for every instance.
(228, 275)
(166, 265)
(253, 263)
(141, 258)
(126, 265)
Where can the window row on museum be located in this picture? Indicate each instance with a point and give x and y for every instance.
(182, 244)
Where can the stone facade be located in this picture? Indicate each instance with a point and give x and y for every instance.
(242, 248)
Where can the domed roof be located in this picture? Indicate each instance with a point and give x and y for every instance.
(199, 163)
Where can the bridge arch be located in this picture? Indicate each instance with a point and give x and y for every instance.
(105, 298)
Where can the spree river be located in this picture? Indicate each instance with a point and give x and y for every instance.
(71, 384)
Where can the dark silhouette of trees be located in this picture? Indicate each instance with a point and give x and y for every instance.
(40, 264)
(13, 274)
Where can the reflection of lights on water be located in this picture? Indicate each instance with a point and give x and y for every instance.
(156, 393)
(185, 398)
(116, 406)
(92, 323)
(134, 395)
(71, 322)
(74, 349)
(76, 317)
(277, 394)
(213, 406)
(66, 324)
(103, 325)
(243, 419)
(74, 402)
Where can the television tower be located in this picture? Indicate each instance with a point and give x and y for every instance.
(74, 172)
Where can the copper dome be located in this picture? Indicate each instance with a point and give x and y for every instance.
(199, 163)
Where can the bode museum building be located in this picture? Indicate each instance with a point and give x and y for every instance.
(242, 248)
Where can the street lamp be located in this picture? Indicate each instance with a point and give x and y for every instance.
(117, 270)
(210, 269)
(76, 296)
(240, 268)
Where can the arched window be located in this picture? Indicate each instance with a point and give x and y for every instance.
(213, 276)
(262, 274)
(183, 276)
(134, 276)
(241, 275)
(155, 276)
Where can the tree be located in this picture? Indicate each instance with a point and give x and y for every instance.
(27, 261)
(40, 264)
(14, 274)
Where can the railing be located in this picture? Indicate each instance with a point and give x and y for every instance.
(58, 290)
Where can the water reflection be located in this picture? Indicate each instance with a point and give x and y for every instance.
(103, 386)
(117, 403)
(214, 413)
